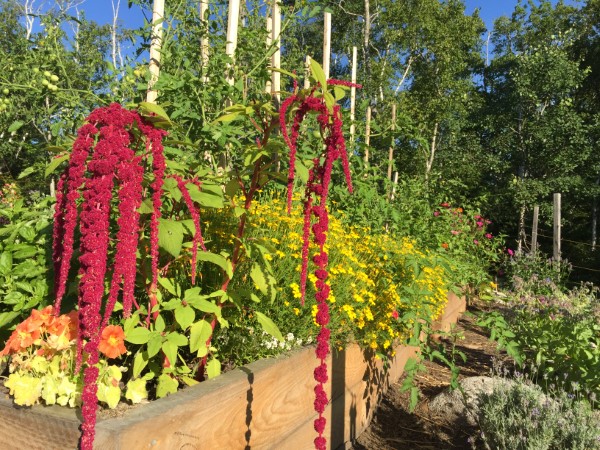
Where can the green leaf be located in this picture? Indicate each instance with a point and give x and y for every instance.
(318, 73)
(213, 368)
(219, 260)
(166, 385)
(228, 117)
(155, 109)
(259, 279)
(136, 390)
(170, 350)
(204, 305)
(339, 92)
(154, 344)
(178, 339)
(170, 236)
(15, 126)
(140, 361)
(269, 326)
(209, 198)
(28, 171)
(200, 333)
(184, 315)
(159, 324)
(302, 171)
(285, 72)
(138, 335)
(7, 318)
(6, 262)
(52, 165)
(25, 251)
(168, 284)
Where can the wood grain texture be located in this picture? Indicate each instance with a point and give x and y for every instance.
(265, 405)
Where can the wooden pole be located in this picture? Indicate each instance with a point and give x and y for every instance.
(158, 13)
(326, 44)
(534, 230)
(204, 41)
(556, 217)
(367, 135)
(391, 151)
(276, 38)
(233, 19)
(307, 72)
(268, 85)
(353, 98)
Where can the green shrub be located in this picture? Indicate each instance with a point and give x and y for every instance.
(520, 416)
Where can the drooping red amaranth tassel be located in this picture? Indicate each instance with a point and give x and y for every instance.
(106, 137)
(315, 200)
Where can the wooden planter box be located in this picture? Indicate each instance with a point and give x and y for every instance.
(265, 405)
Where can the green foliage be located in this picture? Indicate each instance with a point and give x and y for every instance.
(518, 415)
(25, 272)
(557, 332)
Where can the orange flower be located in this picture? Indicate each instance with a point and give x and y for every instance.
(25, 334)
(445, 245)
(43, 317)
(112, 342)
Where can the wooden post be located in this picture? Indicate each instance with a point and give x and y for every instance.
(204, 41)
(276, 59)
(268, 85)
(307, 72)
(158, 13)
(326, 43)
(233, 19)
(534, 230)
(556, 216)
(353, 98)
(391, 152)
(367, 135)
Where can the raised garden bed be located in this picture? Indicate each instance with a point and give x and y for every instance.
(266, 404)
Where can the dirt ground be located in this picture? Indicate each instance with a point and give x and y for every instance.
(394, 427)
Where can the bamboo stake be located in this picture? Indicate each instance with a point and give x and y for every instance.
(158, 13)
(326, 44)
(367, 135)
(307, 72)
(268, 86)
(276, 38)
(353, 97)
(233, 19)
(391, 152)
(204, 41)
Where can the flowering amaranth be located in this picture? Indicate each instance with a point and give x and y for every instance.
(102, 161)
(316, 219)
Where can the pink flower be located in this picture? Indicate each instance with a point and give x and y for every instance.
(475, 241)
(488, 235)
(510, 252)
(436, 213)
(455, 233)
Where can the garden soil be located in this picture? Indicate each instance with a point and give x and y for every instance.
(393, 427)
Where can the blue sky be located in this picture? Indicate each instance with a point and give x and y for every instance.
(101, 10)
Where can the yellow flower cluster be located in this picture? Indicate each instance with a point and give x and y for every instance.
(375, 278)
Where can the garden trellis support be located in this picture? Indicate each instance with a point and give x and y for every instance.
(158, 13)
